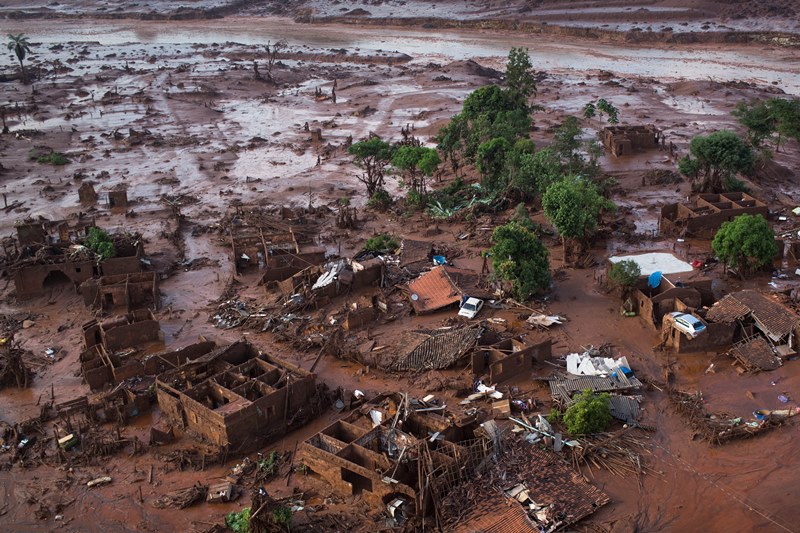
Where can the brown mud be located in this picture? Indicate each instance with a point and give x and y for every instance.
(170, 112)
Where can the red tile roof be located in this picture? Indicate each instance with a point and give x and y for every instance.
(433, 290)
(496, 515)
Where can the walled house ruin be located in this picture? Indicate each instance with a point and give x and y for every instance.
(238, 397)
(627, 140)
(47, 254)
(703, 216)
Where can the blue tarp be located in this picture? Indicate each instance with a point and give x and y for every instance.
(439, 260)
(654, 280)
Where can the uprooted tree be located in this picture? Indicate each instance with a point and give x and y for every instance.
(746, 243)
(372, 156)
(715, 160)
(521, 259)
(574, 206)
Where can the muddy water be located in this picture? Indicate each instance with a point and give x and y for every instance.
(753, 64)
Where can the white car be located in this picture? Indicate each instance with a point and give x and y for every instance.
(471, 308)
(688, 324)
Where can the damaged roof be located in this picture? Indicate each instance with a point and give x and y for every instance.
(415, 252)
(496, 515)
(756, 354)
(437, 350)
(771, 317)
(434, 290)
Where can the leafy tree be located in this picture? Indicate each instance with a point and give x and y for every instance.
(775, 119)
(99, 241)
(574, 205)
(21, 47)
(415, 163)
(373, 155)
(758, 119)
(282, 516)
(714, 160)
(539, 171)
(521, 259)
(787, 118)
(603, 106)
(625, 273)
(519, 74)
(747, 242)
(238, 522)
(381, 243)
(567, 144)
(523, 218)
(591, 413)
(492, 161)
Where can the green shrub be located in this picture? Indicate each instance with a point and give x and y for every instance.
(381, 199)
(239, 522)
(591, 413)
(101, 244)
(381, 243)
(270, 465)
(282, 516)
(48, 158)
(625, 273)
(555, 416)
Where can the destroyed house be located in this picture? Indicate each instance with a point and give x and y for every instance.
(124, 331)
(334, 278)
(682, 294)
(415, 255)
(47, 254)
(437, 349)
(509, 358)
(706, 213)
(626, 140)
(237, 397)
(278, 244)
(128, 291)
(442, 287)
(749, 313)
(387, 451)
(100, 368)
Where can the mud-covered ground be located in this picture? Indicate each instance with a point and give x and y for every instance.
(174, 109)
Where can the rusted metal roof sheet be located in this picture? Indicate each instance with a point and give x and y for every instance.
(433, 290)
(565, 388)
(770, 316)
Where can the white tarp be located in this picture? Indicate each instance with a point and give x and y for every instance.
(584, 365)
(665, 263)
(538, 319)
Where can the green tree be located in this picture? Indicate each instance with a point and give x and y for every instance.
(787, 119)
(491, 162)
(574, 205)
(625, 273)
(603, 106)
(21, 47)
(567, 144)
(590, 413)
(99, 241)
(415, 163)
(372, 155)
(519, 75)
(758, 119)
(715, 159)
(747, 243)
(521, 259)
(238, 522)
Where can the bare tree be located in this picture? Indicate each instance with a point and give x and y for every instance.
(273, 51)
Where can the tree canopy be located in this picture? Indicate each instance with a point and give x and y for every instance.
(415, 163)
(775, 120)
(715, 159)
(373, 155)
(625, 273)
(590, 413)
(747, 242)
(574, 205)
(520, 258)
(519, 74)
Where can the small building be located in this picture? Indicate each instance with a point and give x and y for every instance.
(378, 453)
(626, 140)
(134, 329)
(509, 358)
(442, 287)
(49, 254)
(128, 291)
(750, 313)
(238, 397)
(703, 216)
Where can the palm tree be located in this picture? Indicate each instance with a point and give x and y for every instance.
(20, 45)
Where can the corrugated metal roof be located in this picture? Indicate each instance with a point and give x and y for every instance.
(434, 290)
